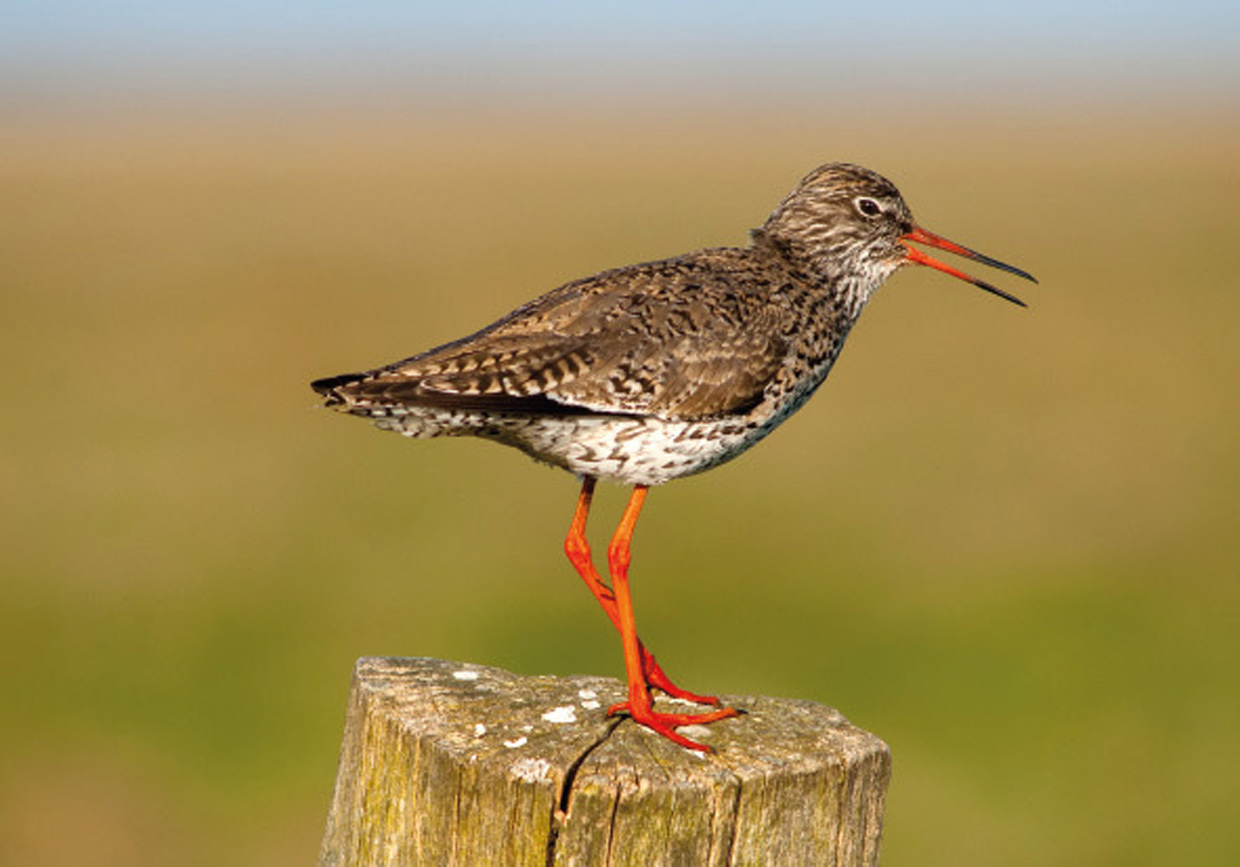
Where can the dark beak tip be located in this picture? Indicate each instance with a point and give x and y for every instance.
(995, 290)
(922, 236)
(1018, 272)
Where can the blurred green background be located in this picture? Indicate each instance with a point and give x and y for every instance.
(1005, 541)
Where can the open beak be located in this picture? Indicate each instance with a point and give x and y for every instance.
(921, 236)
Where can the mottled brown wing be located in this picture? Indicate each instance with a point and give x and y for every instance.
(705, 373)
(648, 339)
(484, 372)
(693, 337)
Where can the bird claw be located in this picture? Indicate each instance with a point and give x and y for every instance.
(656, 679)
(665, 724)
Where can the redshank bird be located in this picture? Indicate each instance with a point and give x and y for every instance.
(647, 373)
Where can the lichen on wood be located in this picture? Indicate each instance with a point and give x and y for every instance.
(456, 763)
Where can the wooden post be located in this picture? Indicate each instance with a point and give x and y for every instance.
(455, 763)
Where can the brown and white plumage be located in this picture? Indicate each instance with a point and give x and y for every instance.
(653, 371)
(643, 374)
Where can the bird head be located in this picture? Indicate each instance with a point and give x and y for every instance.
(852, 229)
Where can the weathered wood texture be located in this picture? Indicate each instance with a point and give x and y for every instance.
(455, 763)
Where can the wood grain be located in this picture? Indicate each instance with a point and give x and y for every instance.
(456, 763)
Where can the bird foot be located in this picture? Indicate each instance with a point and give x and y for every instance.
(656, 679)
(665, 724)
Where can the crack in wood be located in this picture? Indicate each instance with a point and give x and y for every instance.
(436, 767)
(611, 825)
(736, 821)
(559, 811)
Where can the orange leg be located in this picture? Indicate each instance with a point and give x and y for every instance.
(639, 705)
(578, 550)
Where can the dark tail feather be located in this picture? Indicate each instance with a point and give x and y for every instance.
(328, 385)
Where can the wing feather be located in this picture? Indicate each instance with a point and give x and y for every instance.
(648, 339)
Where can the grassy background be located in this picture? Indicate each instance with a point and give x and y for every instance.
(1003, 540)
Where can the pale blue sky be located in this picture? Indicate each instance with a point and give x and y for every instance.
(59, 47)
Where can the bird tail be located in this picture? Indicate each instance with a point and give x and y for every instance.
(328, 386)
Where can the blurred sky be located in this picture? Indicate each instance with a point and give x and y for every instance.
(74, 49)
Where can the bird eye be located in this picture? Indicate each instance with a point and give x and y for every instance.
(868, 207)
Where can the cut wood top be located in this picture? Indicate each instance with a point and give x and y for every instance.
(458, 748)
